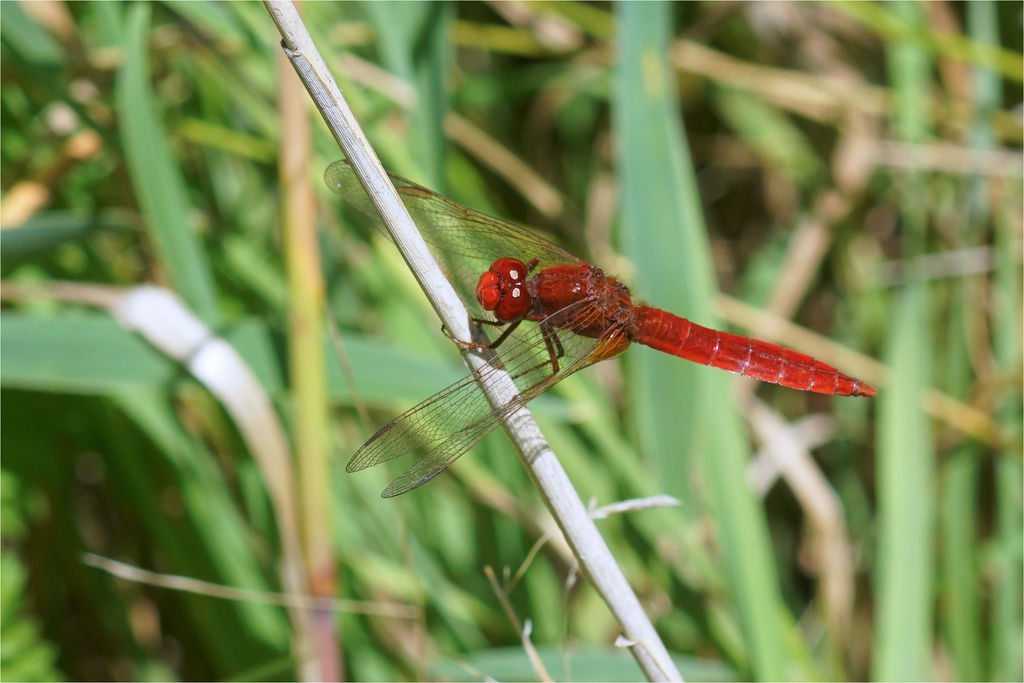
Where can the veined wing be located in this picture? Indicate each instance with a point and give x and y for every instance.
(455, 419)
(465, 242)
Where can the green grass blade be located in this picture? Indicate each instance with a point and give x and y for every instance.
(24, 35)
(156, 179)
(905, 473)
(958, 505)
(904, 576)
(90, 353)
(82, 353)
(1007, 631)
(1007, 619)
(1006, 659)
(415, 43)
(48, 230)
(959, 501)
(214, 543)
(662, 233)
(683, 411)
(575, 664)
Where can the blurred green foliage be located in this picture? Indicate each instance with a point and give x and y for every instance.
(689, 148)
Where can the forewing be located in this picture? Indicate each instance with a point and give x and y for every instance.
(449, 423)
(465, 242)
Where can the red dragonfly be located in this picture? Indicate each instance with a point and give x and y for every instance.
(510, 275)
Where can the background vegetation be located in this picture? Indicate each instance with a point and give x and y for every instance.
(852, 168)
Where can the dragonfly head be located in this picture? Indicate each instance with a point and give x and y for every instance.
(502, 290)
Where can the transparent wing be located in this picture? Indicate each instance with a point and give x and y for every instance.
(449, 423)
(465, 242)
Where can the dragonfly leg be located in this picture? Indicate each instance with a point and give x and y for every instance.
(554, 346)
(480, 321)
(555, 351)
(504, 335)
(461, 342)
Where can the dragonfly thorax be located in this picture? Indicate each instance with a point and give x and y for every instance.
(502, 290)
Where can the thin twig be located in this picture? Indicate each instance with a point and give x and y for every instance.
(633, 504)
(602, 512)
(949, 158)
(522, 630)
(187, 584)
(831, 552)
(542, 464)
(948, 264)
(346, 369)
(306, 372)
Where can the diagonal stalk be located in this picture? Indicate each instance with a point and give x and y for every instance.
(541, 463)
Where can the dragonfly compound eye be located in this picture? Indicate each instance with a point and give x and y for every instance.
(502, 289)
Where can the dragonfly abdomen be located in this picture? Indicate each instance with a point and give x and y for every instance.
(761, 360)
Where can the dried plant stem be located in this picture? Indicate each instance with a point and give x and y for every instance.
(390, 610)
(541, 463)
(306, 368)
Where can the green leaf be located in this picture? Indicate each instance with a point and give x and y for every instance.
(962, 613)
(415, 42)
(84, 353)
(905, 574)
(156, 178)
(684, 412)
(569, 664)
(48, 230)
(26, 37)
